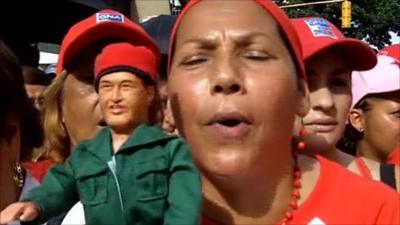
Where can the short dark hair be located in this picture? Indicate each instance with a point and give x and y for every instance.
(14, 101)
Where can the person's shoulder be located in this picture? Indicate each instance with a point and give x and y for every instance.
(84, 151)
(342, 197)
(177, 148)
(347, 182)
(175, 142)
(150, 134)
(95, 142)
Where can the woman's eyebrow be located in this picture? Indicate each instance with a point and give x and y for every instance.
(209, 42)
(246, 38)
(340, 72)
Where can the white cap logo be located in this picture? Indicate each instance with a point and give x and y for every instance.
(109, 17)
(320, 28)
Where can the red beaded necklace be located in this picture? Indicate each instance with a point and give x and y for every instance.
(295, 191)
(293, 205)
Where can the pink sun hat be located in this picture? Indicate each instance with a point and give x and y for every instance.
(384, 77)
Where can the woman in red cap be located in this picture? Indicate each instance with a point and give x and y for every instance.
(329, 59)
(236, 84)
(72, 112)
(133, 172)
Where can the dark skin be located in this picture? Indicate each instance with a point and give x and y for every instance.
(226, 55)
(10, 147)
(380, 125)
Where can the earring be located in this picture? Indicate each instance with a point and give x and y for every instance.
(361, 130)
(301, 145)
(18, 175)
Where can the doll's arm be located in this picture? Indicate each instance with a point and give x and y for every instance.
(56, 194)
(185, 195)
(24, 211)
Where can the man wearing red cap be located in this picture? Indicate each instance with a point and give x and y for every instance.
(132, 173)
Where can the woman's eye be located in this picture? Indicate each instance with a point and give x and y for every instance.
(256, 55)
(339, 83)
(194, 60)
(396, 114)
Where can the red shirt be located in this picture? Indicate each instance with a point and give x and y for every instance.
(341, 197)
(394, 157)
(38, 169)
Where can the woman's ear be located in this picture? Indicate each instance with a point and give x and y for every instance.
(168, 123)
(304, 98)
(357, 120)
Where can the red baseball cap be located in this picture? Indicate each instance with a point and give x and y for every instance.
(318, 34)
(392, 51)
(103, 25)
(118, 57)
(277, 14)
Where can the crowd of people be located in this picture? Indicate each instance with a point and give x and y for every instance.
(258, 119)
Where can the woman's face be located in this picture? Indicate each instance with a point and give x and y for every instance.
(329, 81)
(382, 124)
(233, 86)
(36, 94)
(80, 110)
(10, 147)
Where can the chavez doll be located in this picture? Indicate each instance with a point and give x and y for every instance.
(131, 172)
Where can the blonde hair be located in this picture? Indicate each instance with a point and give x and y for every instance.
(57, 141)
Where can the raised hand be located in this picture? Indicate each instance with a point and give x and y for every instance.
(23, 211)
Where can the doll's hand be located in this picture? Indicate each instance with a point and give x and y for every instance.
(23, 211)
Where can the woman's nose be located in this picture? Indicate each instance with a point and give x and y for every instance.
(227, 79)
(322, 99)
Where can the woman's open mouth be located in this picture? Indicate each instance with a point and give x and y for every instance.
(232, 125)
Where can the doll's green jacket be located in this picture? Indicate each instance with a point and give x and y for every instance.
(151, 180)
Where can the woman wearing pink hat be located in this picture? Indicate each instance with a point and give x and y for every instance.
(373, 131)
(236, 84)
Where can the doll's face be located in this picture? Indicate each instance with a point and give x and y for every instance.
(124, 100)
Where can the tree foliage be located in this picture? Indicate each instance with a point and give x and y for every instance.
(371, 19)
